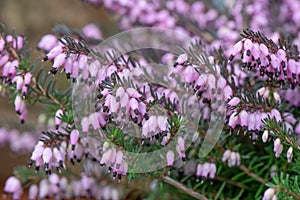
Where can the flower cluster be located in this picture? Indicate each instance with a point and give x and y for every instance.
(129, 91)
(18, 142)
(49, 156)
(14, 73)
(270, 61)
(55, 186)
(232, 158)
(67, 56)
(114, 160)
(206, 170)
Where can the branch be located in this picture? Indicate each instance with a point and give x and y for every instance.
(180, 186)
(251, 174)
(240, 185)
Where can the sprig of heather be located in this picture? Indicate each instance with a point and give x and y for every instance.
(271, 62)
(58, 186)
(16, 75)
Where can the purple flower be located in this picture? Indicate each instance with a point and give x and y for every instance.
(48, 42)
(92, 31)
(58, 116)
(170, 158)
(14, 187)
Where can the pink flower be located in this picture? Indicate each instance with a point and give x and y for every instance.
(233, 120)
(264, 49)
(58, 116)
(3, 59)
(275, 113)
(181, 59)
(92, 31)
(265, 136)
(18, 42)
(289, 154)
(47, 155)
(54, 53)
(58, 62)
(27, 79)
(14, 187)
(170, 158)
(243, 118)
(48, 42)
(234, 101)
(85, 123)
(2, 44)
(74, 137)
(33, 192)
(119, 158)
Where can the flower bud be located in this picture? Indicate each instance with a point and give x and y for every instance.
(233, 120)
(181, 59)
(47, 42)
(58, 62)
(170, 158)
(18, 42)
(213, 170)
(243, 118)
(3, 60)
(237, 48)
(58, 116)
(275, 113)
(226, 155)
(265, 136)
(234, 101)
(33, 192)
(54, 53)
(85, 123)
(277, 143)
(27, 79)
(47, 155)
(82, 62)
(2, 44)
(92, 31)
(74, 137)
(279, 151)
(269, 194)
(264, 49)
(289, 154)
(119, 157)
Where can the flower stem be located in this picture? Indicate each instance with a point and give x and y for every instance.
(180, 186)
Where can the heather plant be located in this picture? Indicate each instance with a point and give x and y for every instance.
(194, 99)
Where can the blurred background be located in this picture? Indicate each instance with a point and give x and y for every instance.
(33, 19)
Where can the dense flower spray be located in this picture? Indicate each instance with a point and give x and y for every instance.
(239, 65)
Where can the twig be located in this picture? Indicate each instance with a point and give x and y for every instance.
(180, 186)
(296, 196)
(240, 185)
(251, 174)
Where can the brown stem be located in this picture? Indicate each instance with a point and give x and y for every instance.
(180, 186)
(44, 93)
(240, 185)
(296, 196)
(251, 174)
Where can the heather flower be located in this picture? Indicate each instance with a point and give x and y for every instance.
(92, 31)
(13, 186)
(58, 116)
(74, 137)
(265, 136)
(206, 170)
(270, 194)
(48, 42)
(170, 158)
(289, 154)
(33, 192)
